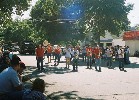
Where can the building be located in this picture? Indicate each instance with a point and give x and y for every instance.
(119, 42)
(131, 39)
(107, 40)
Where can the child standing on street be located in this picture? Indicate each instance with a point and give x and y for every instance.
(75, 61)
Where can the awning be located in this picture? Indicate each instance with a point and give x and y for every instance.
(131, 35)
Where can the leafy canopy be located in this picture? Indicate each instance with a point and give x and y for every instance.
(93, 15)
(7, 8)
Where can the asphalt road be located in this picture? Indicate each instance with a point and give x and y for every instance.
(86, 84)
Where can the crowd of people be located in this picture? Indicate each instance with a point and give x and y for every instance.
(91, 55)
(11, 67)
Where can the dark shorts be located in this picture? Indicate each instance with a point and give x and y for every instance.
(48, 55)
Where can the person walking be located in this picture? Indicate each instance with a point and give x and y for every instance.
(39, 57)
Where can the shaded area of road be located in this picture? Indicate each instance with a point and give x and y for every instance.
(88, 84)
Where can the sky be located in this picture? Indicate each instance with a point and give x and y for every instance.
(133, 16)
(26, 13)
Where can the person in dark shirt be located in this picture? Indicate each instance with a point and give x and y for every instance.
(36, 93)
(6, 62)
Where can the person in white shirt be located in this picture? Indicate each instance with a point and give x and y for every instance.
(67, 56)
(108, 53)
(121, 59)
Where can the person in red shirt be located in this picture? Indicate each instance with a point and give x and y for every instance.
(40, 56)
(97, 52)
(57, 54)
(89, 56)
(93, 55)
(49, 52)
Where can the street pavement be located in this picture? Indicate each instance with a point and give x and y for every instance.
(86, 84)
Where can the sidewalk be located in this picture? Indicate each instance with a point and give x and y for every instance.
(88, 84)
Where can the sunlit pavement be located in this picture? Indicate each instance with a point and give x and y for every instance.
(110, 84)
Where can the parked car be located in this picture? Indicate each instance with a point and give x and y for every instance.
(6, 47)
(15, 47)
(27, 47)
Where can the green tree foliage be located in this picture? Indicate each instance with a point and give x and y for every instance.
(97, 16)
(105, 15)
(49, 17)
(18, 31)
(7, 8)
(137, 27)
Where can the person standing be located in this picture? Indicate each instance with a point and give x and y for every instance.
(126, 55)
(121, 59)
(57, 54)
(49, 52)
(40, 56)
(84, 53)
(89, 56)
(68, 57)
(93, 56)
(75, 59)
(116, 52)
(109, 57)
(97, 53)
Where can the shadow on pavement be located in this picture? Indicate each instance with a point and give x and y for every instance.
(33, 72)
(56, 70)
(60, 95)
(49, 69)
(114, 64)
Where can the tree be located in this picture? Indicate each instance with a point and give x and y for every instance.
(18, 31)
(97, 16)
(137, 27)
(44, 16)
(106, 15)
(7, 8)
(53, 18)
